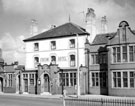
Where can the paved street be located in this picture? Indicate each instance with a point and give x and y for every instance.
(6, 100)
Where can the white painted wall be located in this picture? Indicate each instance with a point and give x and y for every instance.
(62, 50)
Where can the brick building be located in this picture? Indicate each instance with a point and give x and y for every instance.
(112, 62)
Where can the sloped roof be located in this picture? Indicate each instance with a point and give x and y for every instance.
(9, 68)
(67, 29)
(102, 38)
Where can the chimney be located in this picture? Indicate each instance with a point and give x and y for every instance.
(91, 23)
(34, 27)
(103, 24)
(53, 26)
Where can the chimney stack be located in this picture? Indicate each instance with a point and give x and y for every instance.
(34, 27)
(103, 24)
(91, 23)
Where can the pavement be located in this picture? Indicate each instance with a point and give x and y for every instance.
(68, 96)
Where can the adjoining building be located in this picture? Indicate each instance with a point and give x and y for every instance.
(112, 62)
(53, 55)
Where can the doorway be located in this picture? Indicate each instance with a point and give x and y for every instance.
(25, 85)
(46, 83)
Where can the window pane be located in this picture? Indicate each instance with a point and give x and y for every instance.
(125, 79)
(124, 53)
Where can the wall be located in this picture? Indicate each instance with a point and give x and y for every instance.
(62, 51)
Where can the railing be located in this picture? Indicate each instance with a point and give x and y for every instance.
(99, 102)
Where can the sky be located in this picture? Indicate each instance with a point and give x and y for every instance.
(16, 15)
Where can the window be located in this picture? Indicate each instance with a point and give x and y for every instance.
(10, 77)
(94, 59)
(72, 60)
(68, 79)
(103, 58)
(116, 54)
(124, 48)
(25, 76)
(95, 79)
(131, 53)
(127, 81)
(72, 43)
(124, 54)
(31, 79)
(53, 45)
(36, 47)
(36, 61)
(53, 59)
(98, 79)
(132, 80)
(117, 79)
(73, 79)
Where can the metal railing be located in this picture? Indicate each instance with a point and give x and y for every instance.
(99, 102)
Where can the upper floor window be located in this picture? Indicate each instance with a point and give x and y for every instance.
(36, 61)
(124, 54)
(131, 53)
(53, 59)
(94, 59)
(103, 58)
(72, 43)
(36, 46)
(124, 50)
(53, 45)
(72, 60)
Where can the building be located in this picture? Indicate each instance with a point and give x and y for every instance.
(112, 63)
(53, 56)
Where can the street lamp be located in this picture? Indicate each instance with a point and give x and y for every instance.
(78, 72)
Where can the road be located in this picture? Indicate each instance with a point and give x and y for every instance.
(6, 100)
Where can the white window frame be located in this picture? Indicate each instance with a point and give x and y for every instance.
(128, 76)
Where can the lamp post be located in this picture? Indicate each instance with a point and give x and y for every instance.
(78, 72)
(88, 61)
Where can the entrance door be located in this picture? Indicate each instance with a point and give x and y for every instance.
(25, 85)
(1, 84)
(46, 83)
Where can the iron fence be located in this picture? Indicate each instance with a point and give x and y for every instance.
(99, 102)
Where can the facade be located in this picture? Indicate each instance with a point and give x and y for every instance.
(10, 78)
(111, 62)
(53, 55)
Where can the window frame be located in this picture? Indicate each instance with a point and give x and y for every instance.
(53, 45)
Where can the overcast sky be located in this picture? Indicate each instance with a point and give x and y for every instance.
(16, 15)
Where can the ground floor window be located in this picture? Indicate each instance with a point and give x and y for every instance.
(31, 79)
(98, 79)
(10, 77)
(123, 79)
(68, 78)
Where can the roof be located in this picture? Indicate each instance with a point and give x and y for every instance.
(9, 68)
(67, 29)
(102, 38)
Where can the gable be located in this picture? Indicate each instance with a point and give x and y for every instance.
(124, 35)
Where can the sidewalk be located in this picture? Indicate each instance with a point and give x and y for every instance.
(33, 95)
